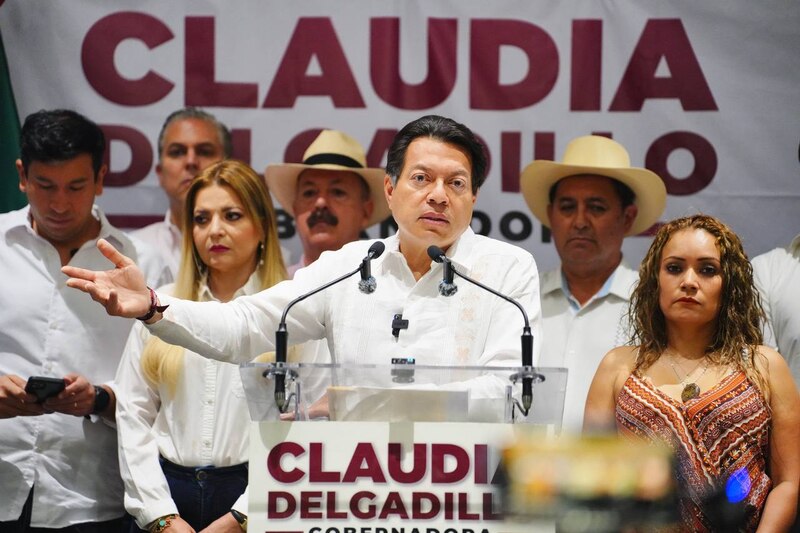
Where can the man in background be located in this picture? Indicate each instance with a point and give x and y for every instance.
(190, 140)
(58, 459)
(777, 276)
(332, 195)
(590, 201)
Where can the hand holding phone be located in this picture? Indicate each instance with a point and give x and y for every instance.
(44, 387)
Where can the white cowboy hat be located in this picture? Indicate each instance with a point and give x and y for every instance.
(331, 150)
(599, 156)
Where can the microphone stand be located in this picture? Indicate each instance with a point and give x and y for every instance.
(366, 285)
(448, 288)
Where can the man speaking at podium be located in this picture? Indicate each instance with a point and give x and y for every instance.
(435, 167)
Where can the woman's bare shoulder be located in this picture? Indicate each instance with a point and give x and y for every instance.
(621, 358)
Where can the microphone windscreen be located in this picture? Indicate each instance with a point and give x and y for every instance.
(436, 253)
(376, 249)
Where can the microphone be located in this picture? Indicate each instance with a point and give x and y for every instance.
(282, 335)
(448, 288)
(367, 283)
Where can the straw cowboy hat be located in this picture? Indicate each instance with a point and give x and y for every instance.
(598, 156)
(331, 150)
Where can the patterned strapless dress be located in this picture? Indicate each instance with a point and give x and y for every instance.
(724, 432)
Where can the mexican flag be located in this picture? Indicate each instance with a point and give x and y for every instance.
(10, 196)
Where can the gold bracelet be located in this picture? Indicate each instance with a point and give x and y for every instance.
(162, 523)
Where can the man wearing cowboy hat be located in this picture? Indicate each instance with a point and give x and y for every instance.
(332, 195)
(590, 201)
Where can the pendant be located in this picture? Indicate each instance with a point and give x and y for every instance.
(690, 392)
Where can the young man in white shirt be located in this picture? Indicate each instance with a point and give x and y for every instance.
(59, 467)
(590, 201)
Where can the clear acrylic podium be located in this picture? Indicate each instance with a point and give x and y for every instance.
(405, 393)
(399, 447)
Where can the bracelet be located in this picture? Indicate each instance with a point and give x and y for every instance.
(154, 307)
(162, 523)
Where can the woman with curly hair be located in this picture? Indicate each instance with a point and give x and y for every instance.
(183, 419)
(698, 378)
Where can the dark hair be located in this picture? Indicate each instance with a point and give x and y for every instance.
(625, 193)
(738, 331)
(443, 129)
(194, 112)
(60, 135)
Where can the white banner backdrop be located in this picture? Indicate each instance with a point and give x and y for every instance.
(703, 93)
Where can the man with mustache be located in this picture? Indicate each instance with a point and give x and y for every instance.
(190, 140)
(332, 195)
(591, 201)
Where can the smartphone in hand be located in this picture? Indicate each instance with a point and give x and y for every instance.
(44, 387)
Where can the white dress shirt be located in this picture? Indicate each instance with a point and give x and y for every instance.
(777, 276)
(473, 327)
(578, 337)
(204, 422)
(48, 329)
(164, 238)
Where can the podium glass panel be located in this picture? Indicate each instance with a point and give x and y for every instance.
(405, 392)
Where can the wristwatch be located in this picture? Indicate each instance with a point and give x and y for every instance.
(101, 400)
(241, 518)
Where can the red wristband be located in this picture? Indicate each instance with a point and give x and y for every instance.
(154, 308)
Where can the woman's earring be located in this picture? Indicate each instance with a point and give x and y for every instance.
(260, 253)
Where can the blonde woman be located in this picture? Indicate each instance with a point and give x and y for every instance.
(182, 418)
(699, 379)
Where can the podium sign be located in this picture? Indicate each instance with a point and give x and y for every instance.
(387, 448)
(359, 477)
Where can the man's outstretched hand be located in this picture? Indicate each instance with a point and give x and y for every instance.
(122, 290)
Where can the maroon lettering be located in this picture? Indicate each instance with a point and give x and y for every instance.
(424, 499)
(316, 470)
(310, 502)
(330, 507)
(417, 472)
(463, 508)
(490, 510)
(355, 505)
(587, 65)
(439, 455)
(705, 161)
(481, 464)
(241, 140)
(663, 39)
(97, 58)
(379, 147)
(202, 88)
(274, 466)
(385, 64)
(280, 504)
(488, 36)
(449, 507)
(314, 37)
(393, 506)
(364, 464)
(510, 142)
(141, 155)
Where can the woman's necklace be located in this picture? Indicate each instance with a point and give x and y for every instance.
(691, 390)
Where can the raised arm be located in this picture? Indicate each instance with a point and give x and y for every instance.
(121, 290)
